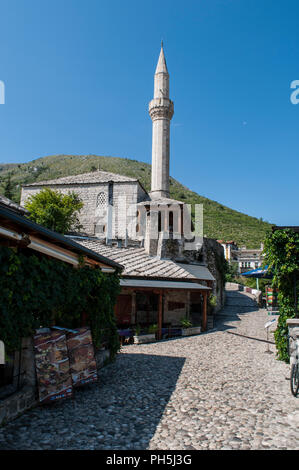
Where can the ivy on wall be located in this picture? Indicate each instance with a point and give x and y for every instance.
(36, 291)
(281, 250)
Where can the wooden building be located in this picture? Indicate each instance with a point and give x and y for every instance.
(154, 290)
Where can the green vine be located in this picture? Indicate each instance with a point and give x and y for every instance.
(282, 256)
(222, 267)
(37, 291)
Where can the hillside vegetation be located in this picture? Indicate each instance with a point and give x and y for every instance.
(220, 222)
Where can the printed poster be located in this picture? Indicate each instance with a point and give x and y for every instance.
(83, 366)
(52, 365)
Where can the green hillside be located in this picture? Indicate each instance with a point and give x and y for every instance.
(220, 222)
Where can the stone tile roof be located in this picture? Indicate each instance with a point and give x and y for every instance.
(4, 201)
(93, 177)
(137, 262)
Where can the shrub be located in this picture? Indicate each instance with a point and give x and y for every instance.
(54, 210)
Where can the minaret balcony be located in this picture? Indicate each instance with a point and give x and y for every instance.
(161, 108)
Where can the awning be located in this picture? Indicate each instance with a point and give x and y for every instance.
(258, 273)
(155, 284)
(198, 271)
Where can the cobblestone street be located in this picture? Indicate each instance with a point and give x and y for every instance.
(218, 390)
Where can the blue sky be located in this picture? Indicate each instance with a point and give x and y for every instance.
(79, 75)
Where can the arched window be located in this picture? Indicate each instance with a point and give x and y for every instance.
(102, 200)
(100, 213)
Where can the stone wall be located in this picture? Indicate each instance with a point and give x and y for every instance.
(93, 216)
(25, 397)
(211, 254)
(293, 327)
(15, 403)
(176, 307)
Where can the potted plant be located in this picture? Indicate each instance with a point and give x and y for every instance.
(152, 329)
(141, 338)
(188, 329)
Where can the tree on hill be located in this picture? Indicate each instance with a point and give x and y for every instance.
(54, 210)
(8, 187)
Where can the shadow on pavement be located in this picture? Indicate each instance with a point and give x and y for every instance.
(121, 411)
(143, 384)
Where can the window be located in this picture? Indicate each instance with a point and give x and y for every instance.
(102, 200)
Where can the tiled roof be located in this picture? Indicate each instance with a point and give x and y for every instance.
(149, 283)
(4, 201)
(93, 177)
(137, 262)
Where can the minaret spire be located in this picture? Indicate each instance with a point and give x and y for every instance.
(161, 112)
(161, 65)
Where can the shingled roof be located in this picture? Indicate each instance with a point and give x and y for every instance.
(85, 178)
(137, 263)
(5, 202)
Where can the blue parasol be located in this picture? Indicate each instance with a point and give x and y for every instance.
(258, 273)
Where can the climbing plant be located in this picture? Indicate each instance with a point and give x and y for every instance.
(37, 291)
(281, 249)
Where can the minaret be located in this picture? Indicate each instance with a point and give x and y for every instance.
(161, 112)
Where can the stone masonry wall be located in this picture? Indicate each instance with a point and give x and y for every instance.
(211, 253)
(293, 327)
(13, 405)
(26, 397)
(125, 197)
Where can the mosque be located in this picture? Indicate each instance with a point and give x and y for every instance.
(170, 271)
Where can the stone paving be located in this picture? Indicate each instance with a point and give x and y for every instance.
(217, 390)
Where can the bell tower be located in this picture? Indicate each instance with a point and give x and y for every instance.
(161, 112)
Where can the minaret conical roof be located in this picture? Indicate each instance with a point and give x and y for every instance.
(161, 66)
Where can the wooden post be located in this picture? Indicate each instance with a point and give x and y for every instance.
(188, 305)
(160, 314)
(133, 314)
(204, 311)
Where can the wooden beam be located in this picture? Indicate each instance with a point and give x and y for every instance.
(204, 311)
(134, 310)
(160, 314)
